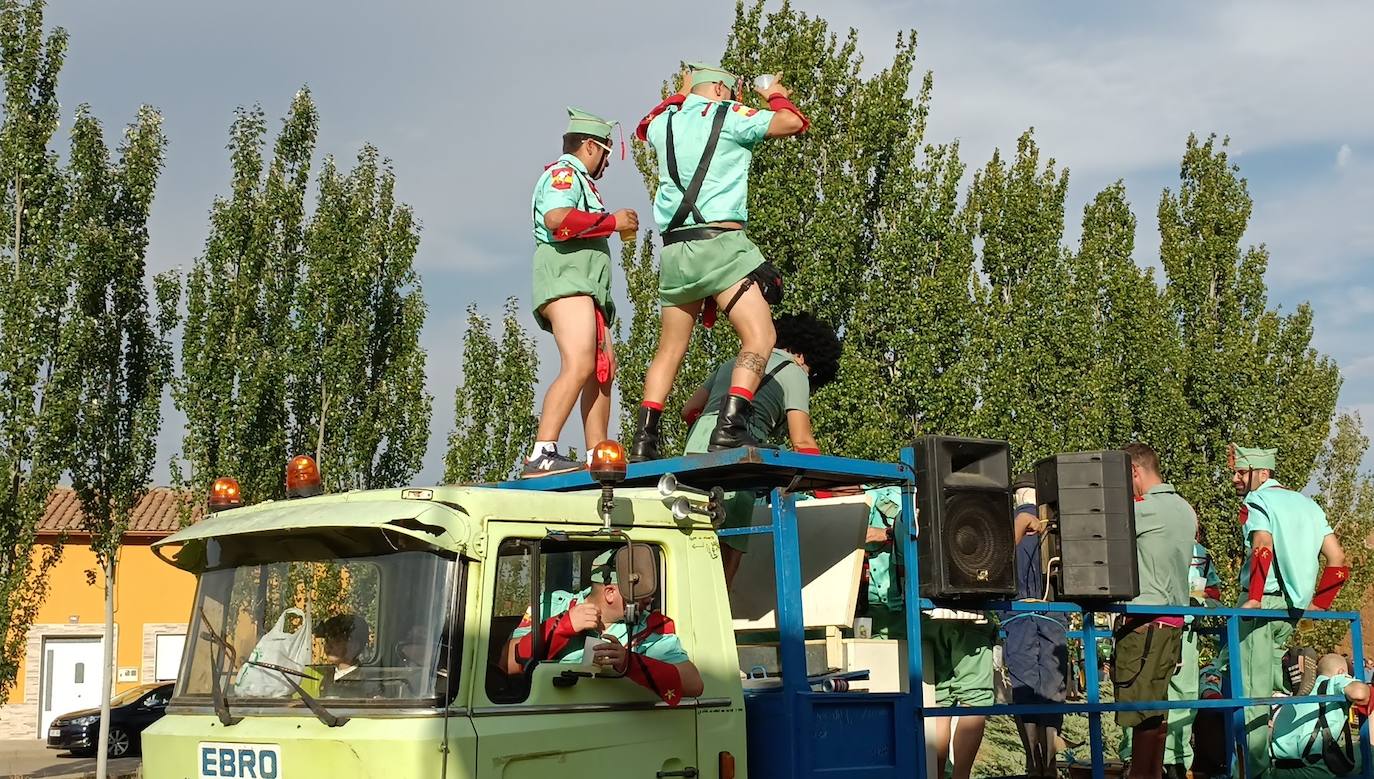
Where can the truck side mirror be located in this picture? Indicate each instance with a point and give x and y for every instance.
(636, 572)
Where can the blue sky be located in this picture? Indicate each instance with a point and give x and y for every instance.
(468, 102)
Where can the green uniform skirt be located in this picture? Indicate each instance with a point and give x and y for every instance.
(695, 270)
(562, 270)
(739, 506)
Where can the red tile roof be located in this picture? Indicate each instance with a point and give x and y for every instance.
(157, 515)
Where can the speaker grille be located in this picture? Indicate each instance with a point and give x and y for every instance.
(976, 539)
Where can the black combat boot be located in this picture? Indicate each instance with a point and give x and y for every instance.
(732, 426)
(645, 446)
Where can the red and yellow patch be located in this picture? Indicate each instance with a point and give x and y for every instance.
(561, 178)
(741, 108)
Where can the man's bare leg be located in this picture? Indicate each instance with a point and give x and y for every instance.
(753, 322)
(942, 725)
(675, 335)
(596, 405)
(968, 736)
(574, 331)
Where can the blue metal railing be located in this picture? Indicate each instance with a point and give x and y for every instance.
(797, 751)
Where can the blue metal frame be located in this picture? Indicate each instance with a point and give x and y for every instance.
(819, 734)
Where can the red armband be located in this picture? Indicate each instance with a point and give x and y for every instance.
(584, 224)
(1333, 579)
(780, 103)
(1260, 560)
(557, 633)
(1212, 592)
(642, 130)
(662, 679)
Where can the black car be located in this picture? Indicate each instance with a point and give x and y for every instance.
(130, 712)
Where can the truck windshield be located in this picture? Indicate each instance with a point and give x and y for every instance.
(354, 630)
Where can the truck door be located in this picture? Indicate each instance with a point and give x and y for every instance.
(548, 721)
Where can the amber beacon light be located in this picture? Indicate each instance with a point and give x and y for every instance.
(608, 462)
(224, 494)
(303, 477)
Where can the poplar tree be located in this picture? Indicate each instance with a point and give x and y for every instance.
(114, 360)
(33, 286)
(494, 418)
(236, 355)
(1347, 496)
(358, 398)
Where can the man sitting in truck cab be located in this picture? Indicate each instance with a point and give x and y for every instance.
(658, 662)
(345, 637)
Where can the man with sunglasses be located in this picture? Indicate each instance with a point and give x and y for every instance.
(705, 141)
(572, 287)
(1285, 532)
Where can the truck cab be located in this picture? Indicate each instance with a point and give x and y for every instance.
(366, 634)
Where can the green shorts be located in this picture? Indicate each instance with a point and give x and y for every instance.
(1142, 665)
(562, 270)
(959, 653)
(689, 271)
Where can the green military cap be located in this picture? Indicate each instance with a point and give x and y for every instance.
(580, 121)
(603, 568)
(703, 73)
(1244, 458)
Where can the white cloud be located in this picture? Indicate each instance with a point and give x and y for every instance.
(1343, 155)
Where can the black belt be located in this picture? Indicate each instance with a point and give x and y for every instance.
(1289, 762)
(696, 234)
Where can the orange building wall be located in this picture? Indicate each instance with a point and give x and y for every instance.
(147, 591)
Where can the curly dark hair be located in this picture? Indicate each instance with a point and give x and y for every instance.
(813, 340)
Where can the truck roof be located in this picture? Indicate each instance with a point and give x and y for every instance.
(448, 517)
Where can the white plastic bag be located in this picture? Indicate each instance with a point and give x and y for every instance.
(278, 647)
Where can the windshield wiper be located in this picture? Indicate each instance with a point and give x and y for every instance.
(324, 715)
(216, 694)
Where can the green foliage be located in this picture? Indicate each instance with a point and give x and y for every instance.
(33, 294)
(115, 359)
(302, 331)
(357, 380)
(494, 420)
(1348, 498)
(235, 351)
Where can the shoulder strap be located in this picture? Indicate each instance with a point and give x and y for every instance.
(688, 206)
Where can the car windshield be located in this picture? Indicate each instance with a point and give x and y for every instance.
(346, 626)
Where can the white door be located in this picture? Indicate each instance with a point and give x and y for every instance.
(71, 678)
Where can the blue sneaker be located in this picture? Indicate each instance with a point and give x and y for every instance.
(548, 463)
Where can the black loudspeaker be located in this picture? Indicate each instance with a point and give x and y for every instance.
(1092, 529)
(963, 493)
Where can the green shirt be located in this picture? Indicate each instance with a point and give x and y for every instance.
(1298, 526)
(564, 184)
(785, 387)
(658, 642)
(725, 192)
(1293, 725)
(884, 586)
(1165, 526)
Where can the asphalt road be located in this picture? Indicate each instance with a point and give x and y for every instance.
(32, 758)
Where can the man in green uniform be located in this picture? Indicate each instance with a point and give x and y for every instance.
(886, 604)
(806, 358)
(1148, 649)
(572, 287)
(1302, 731)
(1205, 590)
(657, 660)
(1284, 532)
(705, 141)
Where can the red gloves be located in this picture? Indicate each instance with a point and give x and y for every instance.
(781, 103)
(1260, 560)
(1333, 579)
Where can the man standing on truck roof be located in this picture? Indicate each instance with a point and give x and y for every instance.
(1285, 532)
(705, 142)
(572, 287)
(806, 358)
(658, 662)
(1148, 649)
